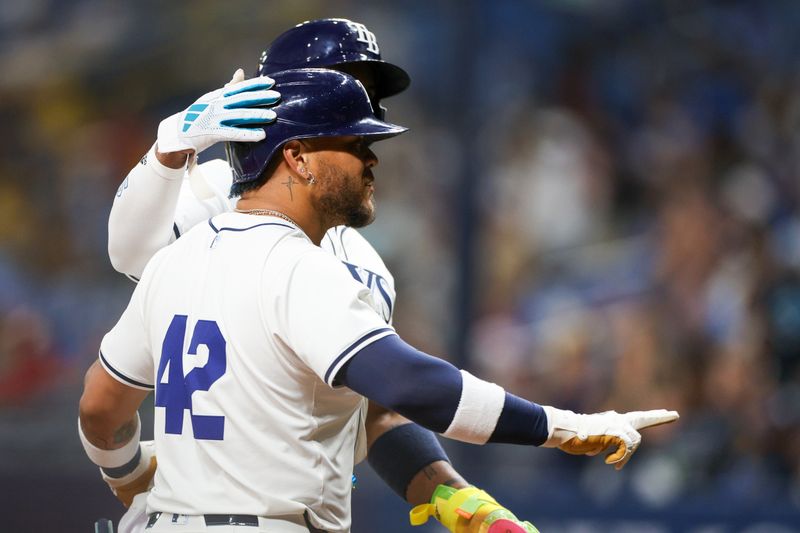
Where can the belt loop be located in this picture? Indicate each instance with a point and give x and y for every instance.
(152, 520)
(310, 526)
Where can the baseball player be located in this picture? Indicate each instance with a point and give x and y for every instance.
(168, 193)
(262, 348)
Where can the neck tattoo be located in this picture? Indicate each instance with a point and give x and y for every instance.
(267, 213)
(289, 182)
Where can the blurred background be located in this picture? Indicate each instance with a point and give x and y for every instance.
(596, 207)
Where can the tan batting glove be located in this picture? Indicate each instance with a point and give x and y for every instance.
(138, 481)
(580, 434)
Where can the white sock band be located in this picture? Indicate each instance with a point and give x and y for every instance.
(478, 410)
(112, 458)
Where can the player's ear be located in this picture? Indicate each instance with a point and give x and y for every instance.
(295, 155)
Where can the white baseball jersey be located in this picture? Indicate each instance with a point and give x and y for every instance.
(240, 327)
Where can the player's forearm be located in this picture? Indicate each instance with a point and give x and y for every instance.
(142, 216)
(107, 433)
(109, 429)
(439, 397)
(409, 460)
(108, 410)
(420, 489)
(398, 447)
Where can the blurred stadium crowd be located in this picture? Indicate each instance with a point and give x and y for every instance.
(636, 220)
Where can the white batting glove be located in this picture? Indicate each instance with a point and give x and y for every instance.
(226, 114)
(580, 434)
(138, 481)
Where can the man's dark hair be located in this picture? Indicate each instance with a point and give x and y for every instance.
(237, 189)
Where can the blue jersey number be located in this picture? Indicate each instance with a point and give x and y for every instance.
(174, 393)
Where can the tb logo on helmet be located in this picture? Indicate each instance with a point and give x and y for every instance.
(365, 36)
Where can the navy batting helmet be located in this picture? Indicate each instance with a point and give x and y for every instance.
(328, 43)
(314, 103)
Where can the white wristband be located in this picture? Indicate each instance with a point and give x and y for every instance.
(478, 410)
(112, 458)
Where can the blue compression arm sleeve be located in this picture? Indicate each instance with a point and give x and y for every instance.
(427, 390)
(399, 454)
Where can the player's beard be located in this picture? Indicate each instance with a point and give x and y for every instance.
(343, 199)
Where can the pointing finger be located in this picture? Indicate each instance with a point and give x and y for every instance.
(646, 419)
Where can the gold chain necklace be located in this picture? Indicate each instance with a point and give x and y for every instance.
(267, 212)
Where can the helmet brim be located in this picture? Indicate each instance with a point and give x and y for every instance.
(389, 78)
(371, 127)
(375, 129)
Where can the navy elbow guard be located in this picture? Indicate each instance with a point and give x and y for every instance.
(400, 453)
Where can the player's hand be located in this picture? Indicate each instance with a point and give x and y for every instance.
(469, 510)
(227, 114)
(591, 434)
(138, 481)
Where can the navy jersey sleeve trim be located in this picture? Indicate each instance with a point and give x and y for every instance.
(354, 348)
(176, 231)
(122, 377)
(341, 241)
(333, 246)
(219, 230)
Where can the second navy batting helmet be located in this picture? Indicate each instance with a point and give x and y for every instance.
(330, 43)
(314, 103)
